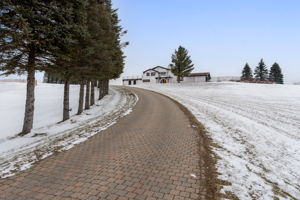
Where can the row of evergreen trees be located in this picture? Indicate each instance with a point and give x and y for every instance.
(262, 74)
(74, 40)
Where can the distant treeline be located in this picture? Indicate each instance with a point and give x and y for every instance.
(262, 74)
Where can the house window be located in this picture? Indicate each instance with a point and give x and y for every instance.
(146, 80)
(163, 73)
(152, 73)
(148, 74)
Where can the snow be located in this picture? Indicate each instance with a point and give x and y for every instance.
(193, 175)
(48, 136)
(256, 129)
(48, 106)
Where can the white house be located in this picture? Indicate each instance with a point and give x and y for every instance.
(161, 74)
(158, 75)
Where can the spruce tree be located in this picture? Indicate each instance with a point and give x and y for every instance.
(72, 40)
(109, 57)
(261, 71)
(247, 73)
(181, 65)
(70, 45)
(24, 44)
(276, 74)
(76, 50)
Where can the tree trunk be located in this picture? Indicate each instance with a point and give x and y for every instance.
(106, 87)
(93, 93)
(178, 79)
(29, 106)
(81, 96)
(100, 89)
(66, 112)
(87, 96)
(103, 88)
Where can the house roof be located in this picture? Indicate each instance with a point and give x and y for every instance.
(199, 74)
(131, 79)
(163, 77)
(150, 70)
(153, 69)
(161, 67)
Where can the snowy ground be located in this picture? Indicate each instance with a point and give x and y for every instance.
(256, 129)
(48, 135)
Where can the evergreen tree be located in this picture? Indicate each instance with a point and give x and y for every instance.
(181, 65)
(72, 40)
(276, 74)
(110, 58)
(71, 45)
(247, 73)
(24, 44)
(261, 71)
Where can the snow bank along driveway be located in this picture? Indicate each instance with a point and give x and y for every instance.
(48, 136)
(256, 129)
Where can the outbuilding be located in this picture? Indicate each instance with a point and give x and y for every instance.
(197, 77)
(132, 80)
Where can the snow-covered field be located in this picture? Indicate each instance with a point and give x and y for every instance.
(48, 135)
(256, 129)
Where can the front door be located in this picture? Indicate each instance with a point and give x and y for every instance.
(134, 82)
(129, 82)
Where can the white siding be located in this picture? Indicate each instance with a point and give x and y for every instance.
(159, 72)
(152, 76)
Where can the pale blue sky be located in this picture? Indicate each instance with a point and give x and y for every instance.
(221, 35)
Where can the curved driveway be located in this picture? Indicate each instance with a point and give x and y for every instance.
(153, 153)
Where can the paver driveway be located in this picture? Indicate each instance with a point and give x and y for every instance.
(153, 153)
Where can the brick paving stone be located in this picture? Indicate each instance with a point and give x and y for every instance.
(112, 197)
(102, 195)
(194, 196)
(158, 195)
(168, 197)
(185, 194)
(179, 198)
(92, 198)
(148, 154)
(123, 198)
(131, 195)
(148, 193)
(121, 193)
(174, 192)
(140, 197)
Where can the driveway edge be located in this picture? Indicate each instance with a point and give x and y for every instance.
(209, 159)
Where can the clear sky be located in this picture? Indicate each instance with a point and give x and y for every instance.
(221, 35)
